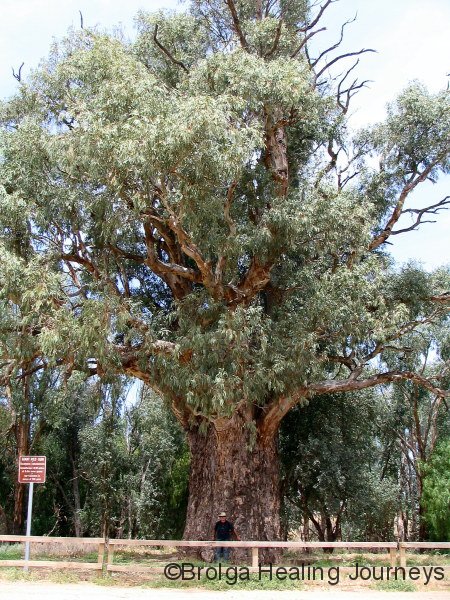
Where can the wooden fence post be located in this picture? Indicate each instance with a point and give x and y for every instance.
(393, 555)
(255, 557)
(110, 559)
(101, 555)
(402, 556)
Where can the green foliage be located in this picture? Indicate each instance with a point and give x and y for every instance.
(412, 138)
(108, 139)
(332, 468)
(133, 465)
(11, 552)
(158, 465)
(436, 492)
(112, 466)
(191, 209)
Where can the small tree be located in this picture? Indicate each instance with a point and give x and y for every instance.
(436, 492)
(415, 422)
(332, 469)
(158, 463)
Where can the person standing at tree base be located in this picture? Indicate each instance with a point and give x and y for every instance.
(223, 530)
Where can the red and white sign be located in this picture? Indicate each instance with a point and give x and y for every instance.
(32, 469)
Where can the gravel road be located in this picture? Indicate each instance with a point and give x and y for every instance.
(84, 591)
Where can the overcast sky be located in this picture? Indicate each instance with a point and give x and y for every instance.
(411, 38)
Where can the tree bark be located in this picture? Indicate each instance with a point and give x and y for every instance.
(276, 150)
(4, 522)
(22, 435)
(233, 469)
(78, 527)
(423, 534)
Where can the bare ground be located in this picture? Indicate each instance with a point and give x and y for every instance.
(20, 590)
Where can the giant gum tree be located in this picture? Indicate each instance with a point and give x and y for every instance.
(189, 210)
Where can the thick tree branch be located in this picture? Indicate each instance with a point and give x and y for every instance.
(173, 223)
(275, 157)
(236, 23)
(176, 276)
(254, 281)
(276, 40)
(168, 236)
(166, 52)
(276, 411)
(163, 268)
(192, 250)
(81, 260)
(129, 356)
(443, 298)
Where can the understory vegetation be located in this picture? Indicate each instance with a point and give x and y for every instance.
(118, 463)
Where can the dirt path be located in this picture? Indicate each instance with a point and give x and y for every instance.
(83, 591)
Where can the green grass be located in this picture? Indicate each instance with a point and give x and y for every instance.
(394, 586)
(18, 574)
(17, 552)
(123, 558)
(253, 583)
(11, 551)
(106, 580)
(435, 559)
(88, 557)
(63, 577)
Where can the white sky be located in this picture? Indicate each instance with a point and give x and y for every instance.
(411, 38)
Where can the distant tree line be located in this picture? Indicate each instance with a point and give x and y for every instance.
(117, 462)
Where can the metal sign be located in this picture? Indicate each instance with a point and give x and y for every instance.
(32, 469)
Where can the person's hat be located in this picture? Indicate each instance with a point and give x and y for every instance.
(222, 514)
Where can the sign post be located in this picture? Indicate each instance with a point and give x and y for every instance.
(30, 510)
(32, 469)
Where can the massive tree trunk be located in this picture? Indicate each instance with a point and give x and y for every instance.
(233, 469)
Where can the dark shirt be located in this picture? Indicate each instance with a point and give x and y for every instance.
(223, 530)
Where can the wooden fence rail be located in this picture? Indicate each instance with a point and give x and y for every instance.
(402, 546)
(50, 564)
(251, 545)
(110, 546)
